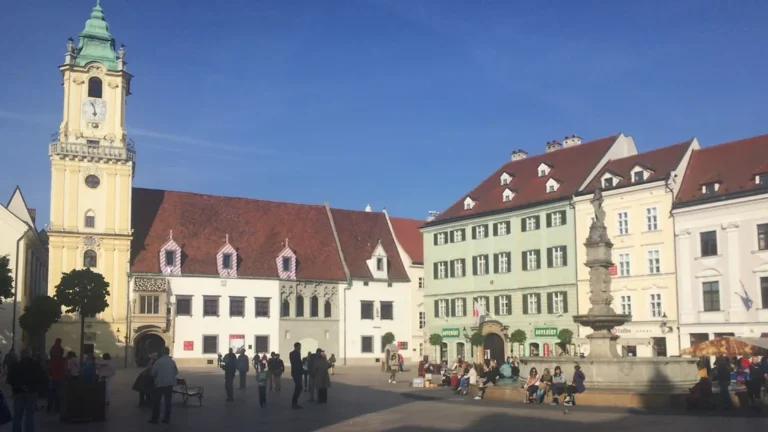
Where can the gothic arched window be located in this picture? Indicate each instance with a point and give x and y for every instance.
(314, 307)
(89, 258)
(299, 306)
(94, 87)
(327, 309)
(285, 309)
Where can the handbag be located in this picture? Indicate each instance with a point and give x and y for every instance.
(5, 412)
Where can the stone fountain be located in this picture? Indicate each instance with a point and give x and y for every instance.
(612, 379)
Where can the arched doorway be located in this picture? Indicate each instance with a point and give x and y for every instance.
(145, 345)
(443, 352)
(533, 349)
(495, 344)
(460, 351)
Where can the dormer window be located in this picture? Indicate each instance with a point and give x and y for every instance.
(761, 179)
(379, 264)
(226, 260)
(170, 257)
(507, 195)
(505, 179)
(552, 185)
(286, 263)
(638, 176)
(709, 188)
(544, 169)
(608, 182)
(469, 203)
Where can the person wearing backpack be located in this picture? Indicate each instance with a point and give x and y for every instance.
(243, 366)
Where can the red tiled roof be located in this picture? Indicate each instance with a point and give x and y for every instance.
(570, 166)
(661, 161)
(359, 233)
(256, 228)
(734, 164)
(410, 238)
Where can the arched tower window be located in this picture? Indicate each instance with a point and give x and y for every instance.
(299, 306)
(94, 87)
(314, 307)
(327, 308)
(89, 259)
(90, 219)
(285, 309)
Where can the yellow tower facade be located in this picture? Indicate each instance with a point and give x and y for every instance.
(92, 166)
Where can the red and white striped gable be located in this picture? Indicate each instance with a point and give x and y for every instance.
(170, 266)
(286, 263)
(227, 250)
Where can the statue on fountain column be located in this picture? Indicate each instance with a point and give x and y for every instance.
(597, 231)
(597, 204)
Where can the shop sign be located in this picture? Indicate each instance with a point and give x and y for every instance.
(402, 345)
(545, 332)
(450, 333)
(237, 342)
(189, 345)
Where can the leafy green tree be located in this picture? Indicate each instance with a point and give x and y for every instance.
(6, 280)
(83, 292)
(39, 316)
(518, 336)
(477, 339)
(387, 338)
(566, 337)
(435, 339)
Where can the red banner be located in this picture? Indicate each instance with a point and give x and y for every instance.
(612, 270)
(189, 345)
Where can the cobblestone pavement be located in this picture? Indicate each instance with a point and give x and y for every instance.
(361, 399)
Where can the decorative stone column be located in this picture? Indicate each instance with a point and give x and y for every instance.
(685, 289)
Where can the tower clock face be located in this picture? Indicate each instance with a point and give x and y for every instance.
(94, 109)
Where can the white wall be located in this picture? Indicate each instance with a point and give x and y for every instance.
(192, 328)
(737, 262)
(400, 294)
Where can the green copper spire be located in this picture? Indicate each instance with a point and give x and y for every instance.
(96, 43)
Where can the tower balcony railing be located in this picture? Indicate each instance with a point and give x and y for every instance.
(125, 153)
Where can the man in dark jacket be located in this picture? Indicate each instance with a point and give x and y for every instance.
(230, 369)
(297, 372)
(311, 362)
(25, 377)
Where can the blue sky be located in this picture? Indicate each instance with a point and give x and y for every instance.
(402, 104)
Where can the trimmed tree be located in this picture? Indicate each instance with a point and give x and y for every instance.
(435, 340)
(39, 316)
(387, 338)
(566, 337)
(83, 292)
(517, 337)
(477, 339)
(6, 280)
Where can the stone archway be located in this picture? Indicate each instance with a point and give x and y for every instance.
(146, 344)
(495, 340)
(495, 345)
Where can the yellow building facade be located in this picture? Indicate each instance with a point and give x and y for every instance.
(92, 166)
(638, 193)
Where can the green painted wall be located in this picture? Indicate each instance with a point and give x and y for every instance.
(516, 283)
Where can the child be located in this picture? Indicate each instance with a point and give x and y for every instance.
(261, 380)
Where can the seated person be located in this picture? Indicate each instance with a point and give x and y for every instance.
(531, 385)
(577, 386)
(490, 376)
(515, 365)
(701, 396)
(544, 385)
(558, 385)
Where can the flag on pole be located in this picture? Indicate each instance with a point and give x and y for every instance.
(476, 312)
(745, 298)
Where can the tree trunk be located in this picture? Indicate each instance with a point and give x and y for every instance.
(82, 338)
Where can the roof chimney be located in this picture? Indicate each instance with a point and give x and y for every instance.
(553, 145)
(368, 208)
(519, 154)
(571, 141)
(432, 215)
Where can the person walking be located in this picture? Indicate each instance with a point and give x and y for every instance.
(322, 377)
(305, 369)
(394, 366)
(270, 368)
(311, 361)
(164, 372)
(242, 368)
(297, 372)
(57, 368)
(261, 381)
(105, 372)
(229, 365)
(332, 360)
(24, 377)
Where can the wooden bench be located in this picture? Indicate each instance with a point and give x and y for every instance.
(187, 392)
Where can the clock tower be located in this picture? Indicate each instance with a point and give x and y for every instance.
(92, 166)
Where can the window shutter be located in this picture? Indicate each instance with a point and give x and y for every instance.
(495, 229)
(525, 262)
(550, 305)
(538, 302)
(509, 304)
(538, 221)
(434, 270)
(467, 305)
(437, 308)
(487, 227)
(453, 308)
(565, 301)
(509, 261)
(474, 233)
(538, 257)
(549, 257)
(549, 220)
(434, 237)
(450, 236)
(495, 263)
(463, 233)
(496, 307)
(562, 216)
(451, 267)
(522, 224)
(525, 304)
(474, 265)
(463, 266)
(487, 302)
(565, 255)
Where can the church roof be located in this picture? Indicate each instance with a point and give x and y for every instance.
(96, 43)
